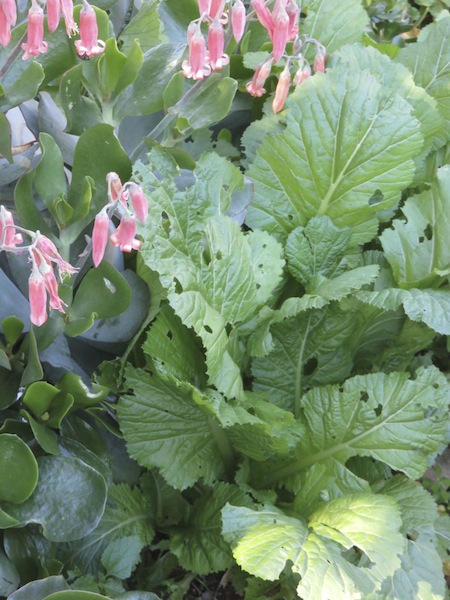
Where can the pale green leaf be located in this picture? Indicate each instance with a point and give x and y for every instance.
(144, 27)
(429, 62)
(399, 421)
(334, 24)
(165, 428)
(121, 556)
(315, 169)
(430, 306)
(418, 249)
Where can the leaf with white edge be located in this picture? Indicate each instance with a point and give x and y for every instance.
(126, 516)
(430, 306)
(399, 80)
(312, 169)
(317, 249)
(334, 24)
(121, 556)
(263, 541)
(164, 427)
(391, 418)
(429, 62)
(199, 544)
(215, 274)
(418, 248)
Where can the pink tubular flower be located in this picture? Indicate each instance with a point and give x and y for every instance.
(124, 235)
(281, 32)
(282, 90)
(264, 15)
(5, 29)
(37, 296)
(304, 71)
(9, 10)
(8, 235)
(238, 20)
(255, 86)
(319, 61)
(138, 201)
(35, 33)
(217, 57)
(67, 10)
(197, 66)
(88, 44)
(53, 14)
(293, 14)
(114, 185)
(99, 237)
(51, 286)
(204, 6)
(50, 254)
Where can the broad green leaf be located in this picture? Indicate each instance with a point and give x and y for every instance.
(391, 418)
(317, 249)
(82, 112)
(121, 556)
(429, 62)
(12, 328)
(5, 138)
(198, 543)
(399, 80)
(313, 168)
(140, 98)
(75, 595)
(429, 306)
(418, 248)
(163, 427)
(263, 541)
(143, 27)
(27, 211)
(47, 403)
(49, 177)
(68, 501)
(21, 82)
(175, 18)
(9, 578)
(127, 516)
(117, 70)
(18, 469)
(334, 24)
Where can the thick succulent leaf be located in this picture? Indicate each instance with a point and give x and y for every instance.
(313, 169)
(418, 249)
(40, 589)
(18, 469)
(429, 62)
(394, 419)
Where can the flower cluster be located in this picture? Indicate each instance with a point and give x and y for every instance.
(88, 45)
(127, 201)
(281, 23)
(44, 258)
(206, 56)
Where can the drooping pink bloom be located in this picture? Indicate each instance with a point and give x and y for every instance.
(9, 10)
(282, 90)
(238, 20)
(53, 14)
(114, 185)
(138, 201)
(123, 237)
(37, 296)
(88, 44)
(293, 14)
(280, 35)
(216, 9)
(216, 36)
(51, 286)
(197, 66)
(302, 74)
(255, 87)
(8, 235)
(50, 254)
(99, 237)
(204, 6)
(35, 44)
(264, 15)
(67, 11)
(319, 60)
(5, 29)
